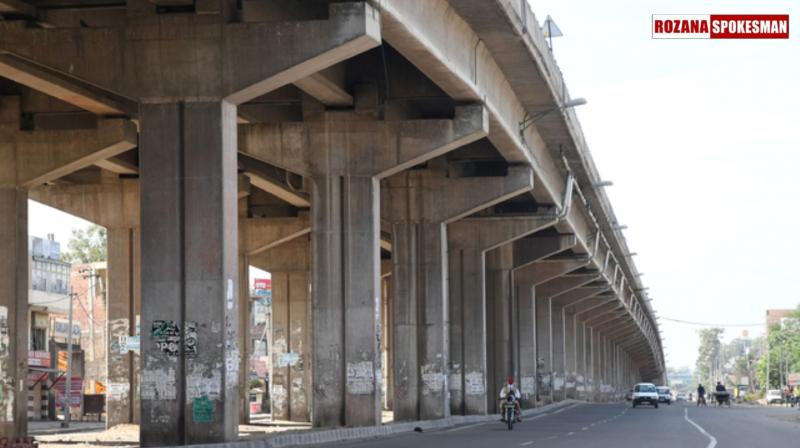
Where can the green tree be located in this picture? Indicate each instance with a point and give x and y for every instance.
(709, 363)
(783, 351)
(87, 245)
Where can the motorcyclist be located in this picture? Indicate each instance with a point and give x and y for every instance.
(701, 395)
(720, 387)
(510, 388)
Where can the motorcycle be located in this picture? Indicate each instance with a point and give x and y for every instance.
(510, 411)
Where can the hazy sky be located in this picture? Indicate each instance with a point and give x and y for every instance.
(702, 141)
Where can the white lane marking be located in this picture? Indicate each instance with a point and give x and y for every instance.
(712, 442)
(584, 428)
(570, 433)
(529, 442)
(593, 424)
(552, 437)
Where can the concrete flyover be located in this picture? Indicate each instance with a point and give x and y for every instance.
(374, 156)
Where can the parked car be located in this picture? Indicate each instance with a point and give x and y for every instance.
(680, 397)
(645, 393)
(664, 395)
(774, 396)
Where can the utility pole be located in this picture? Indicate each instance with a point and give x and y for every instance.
(68, 384)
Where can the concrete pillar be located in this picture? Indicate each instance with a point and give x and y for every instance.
(580, 369)
(499, 327)
(124, 309)
(290, 384)
(346, 294)
(468, 242)
(556, 349)
(190, 347)
(543, 351)
(570, 353)
(13, 307)
(14, 271)
(387, 339)
(526, 335)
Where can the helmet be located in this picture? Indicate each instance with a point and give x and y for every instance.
(511, 379)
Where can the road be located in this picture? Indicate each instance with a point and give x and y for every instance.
(619, 426)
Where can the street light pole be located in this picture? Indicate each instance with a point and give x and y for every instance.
(68, 384)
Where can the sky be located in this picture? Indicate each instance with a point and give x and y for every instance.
(702, 141)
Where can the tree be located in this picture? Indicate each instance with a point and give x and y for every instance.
(87, 245)
(709, 361)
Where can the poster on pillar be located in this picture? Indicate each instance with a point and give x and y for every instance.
(167, 337)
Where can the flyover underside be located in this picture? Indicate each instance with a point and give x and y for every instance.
(420, 245)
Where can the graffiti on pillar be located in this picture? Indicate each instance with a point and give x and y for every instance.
(288, 359)
(474, 383)
(158, 385)
(558, 381)
(528, 385)
(190, 339)
(278, 396)
(117, 329)
(202, 382)
(167, 337)
(360, 378)
(118, 391)
(6, 367)
(203, 410)
(433, 381)
(232, 356)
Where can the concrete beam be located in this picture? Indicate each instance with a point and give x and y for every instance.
(63, 87)
(298, 199)
(263, 234)
(44, 156)
(327, 87)
(112, 204)
(124, 56)
(394, 146)
(17, 8)
(116, 165)
(535, 248)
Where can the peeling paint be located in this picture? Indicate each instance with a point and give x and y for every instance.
(158, 385)
(433, 381)
(528, 385)
(278, 396)
(6, 370)
(203, 382)
(118, 391)
(475, 383)
(360, 378)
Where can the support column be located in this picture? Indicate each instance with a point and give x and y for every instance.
(499, 312)
(580, 359)
(526, 323)
(346, 300)
(557, 349)
(190, 370)
(290, 383)
(543, 351)
(570, 353)
(14, 271)
(124, 307)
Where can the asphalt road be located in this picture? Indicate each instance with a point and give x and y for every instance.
(619, 426)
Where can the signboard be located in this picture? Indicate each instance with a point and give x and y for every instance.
(793, 379)
(76, 391)
(61, 326)
(262, 287)
(38, 359)
(129, 344)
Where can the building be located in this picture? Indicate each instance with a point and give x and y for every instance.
(88, 283)
(779, 317)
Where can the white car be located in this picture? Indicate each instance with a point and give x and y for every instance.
(645, 393)
(664, 395)
(774, 396)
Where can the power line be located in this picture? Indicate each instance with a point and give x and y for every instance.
(706, 324)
